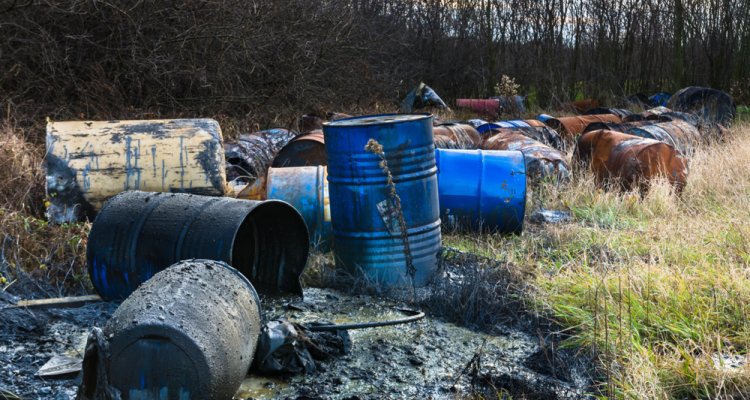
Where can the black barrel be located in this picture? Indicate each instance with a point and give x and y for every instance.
(188, 333)
(138, 234)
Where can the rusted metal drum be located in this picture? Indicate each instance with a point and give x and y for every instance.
(367, 228)
(680, 134)
(482, 190)
(570, 127)
(630, 161)
(542, 161)
(305, 188)
(463, 135)
(188, 333)
(138, 234)
(304, 150)
(251, 155)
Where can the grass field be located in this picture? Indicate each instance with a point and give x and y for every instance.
(657, 288)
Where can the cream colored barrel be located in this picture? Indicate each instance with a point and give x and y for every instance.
(90, 161)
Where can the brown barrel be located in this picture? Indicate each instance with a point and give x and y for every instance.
(306, 150)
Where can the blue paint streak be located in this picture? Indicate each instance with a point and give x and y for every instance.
(128, 167)
(153, 160)
(137, 170)
(182, 163)
(163, 174)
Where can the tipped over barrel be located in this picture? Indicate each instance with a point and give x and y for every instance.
(392, 241)
(482, 190)
(188, 333)
(138, 234)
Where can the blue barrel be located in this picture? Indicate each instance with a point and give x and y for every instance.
(516, 123)
(366, 229)
(306, 189)
(482, 189)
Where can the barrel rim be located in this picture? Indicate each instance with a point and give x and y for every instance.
(377, 119)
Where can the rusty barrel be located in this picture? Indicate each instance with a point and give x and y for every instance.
(306, 189)
(570, 127)
(304, 150)
(482, 190)
(366, 220)
(250, 156)
(680, 134)
(463, 135)
(188, 333)
(138, 234)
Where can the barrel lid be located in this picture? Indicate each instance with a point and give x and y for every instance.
(367, 120)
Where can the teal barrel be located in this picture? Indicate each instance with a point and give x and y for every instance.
(482, 190)
(366, 226)
(306, 189)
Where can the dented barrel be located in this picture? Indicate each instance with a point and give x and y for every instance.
(366, 220)
(138, 234)
(188, 333)
(304, 150)
(306, 189)
(482, 190)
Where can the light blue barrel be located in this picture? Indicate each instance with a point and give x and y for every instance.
(368, 237)
(306, 189)
(482, 190)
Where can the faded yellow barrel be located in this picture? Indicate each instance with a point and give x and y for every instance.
(90, 161)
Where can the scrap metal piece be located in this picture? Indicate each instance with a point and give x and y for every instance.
(90, 161)
(60, 365)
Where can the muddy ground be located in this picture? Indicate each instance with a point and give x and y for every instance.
(488, 353)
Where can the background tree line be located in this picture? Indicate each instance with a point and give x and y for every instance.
(261, 62)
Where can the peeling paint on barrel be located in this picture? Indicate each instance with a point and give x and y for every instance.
(189, 333)
(306, 189)
(108, 157)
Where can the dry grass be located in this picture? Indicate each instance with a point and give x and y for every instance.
(36, 259)
(657, 288)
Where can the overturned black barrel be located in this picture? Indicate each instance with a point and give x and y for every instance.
(138, 234)
(188, 333)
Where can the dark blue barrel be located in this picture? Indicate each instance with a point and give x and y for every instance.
(138, 234)
(366, 229)
(517, 123)
(482, 189)
(305, 188)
